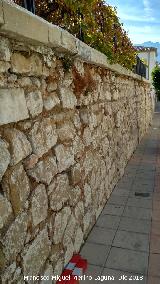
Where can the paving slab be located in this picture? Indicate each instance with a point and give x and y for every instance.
(96, 254)
(141, 213)
(142, 202)
(127, 260)
(101, 236)
(108, 221)
(135, 225)
(120, 200)
(130, 240)
(113, 209)
(121, 192)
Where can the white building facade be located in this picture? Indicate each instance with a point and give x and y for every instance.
(148, 55)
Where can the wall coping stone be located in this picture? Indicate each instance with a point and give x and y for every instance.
(18, 23)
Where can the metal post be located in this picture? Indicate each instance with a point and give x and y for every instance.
(29, 5)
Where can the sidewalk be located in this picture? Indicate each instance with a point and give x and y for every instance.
(126, 238)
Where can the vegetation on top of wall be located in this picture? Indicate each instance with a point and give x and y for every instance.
(94, 22)
(156, 80)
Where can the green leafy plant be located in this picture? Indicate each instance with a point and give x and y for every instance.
(94, 22)
(156, 80)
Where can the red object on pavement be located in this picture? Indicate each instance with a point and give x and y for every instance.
(76, 267)
(82, 264)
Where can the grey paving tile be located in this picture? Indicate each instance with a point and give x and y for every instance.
(121, 192)
(95, 254)
(108, 221)
(143, 202)
(113, 209)
(92, 273)
(131, 240)
(125, 183)
(135, 225)
(120, 200)
(123, 277)
(141, 213)
(101, 236)
(140, 187)
(127, 260)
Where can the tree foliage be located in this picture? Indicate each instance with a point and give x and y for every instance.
(94, 22)
(156, 80)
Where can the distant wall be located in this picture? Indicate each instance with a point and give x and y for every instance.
(69, 123)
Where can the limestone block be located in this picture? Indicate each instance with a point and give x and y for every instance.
(42, 136)
(88, 163)
(115, 95)
(67, 80)
(87, 136)
(4, 66)
(17, 186)
(51, 87)
(37, 253)
(74, 195)
(39, 204)
(47, 275)
(78, 146)
(8, 273)
(70, 229)
(84, 51)
(45, 170)
(12, 106)
(78, 240)
(25, 81)
(68, 98)
(26, 65)
(60, 224)
(59, 192)
(76, 174)
(14, 239)
(5, 53)
(34, 103)
(56, 253)
(5, 211)
(64, 156)
(19, 145)
(30, 161)
(1, 13)
(58, 268)
(68, 244)
(4, 158)
(79, 211)
(21, 28)
(51, 101)
(54, 35)
(66, 132)
(68, 42)
(87, 195)
(99, 58)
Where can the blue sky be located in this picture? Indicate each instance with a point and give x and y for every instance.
(141, 18)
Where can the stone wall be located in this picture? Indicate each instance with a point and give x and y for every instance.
(67, 131)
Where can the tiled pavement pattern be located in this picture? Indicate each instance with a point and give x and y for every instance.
(126, 237)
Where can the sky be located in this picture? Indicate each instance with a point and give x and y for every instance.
(141, 18)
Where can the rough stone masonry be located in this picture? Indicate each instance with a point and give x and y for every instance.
(67, 131)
